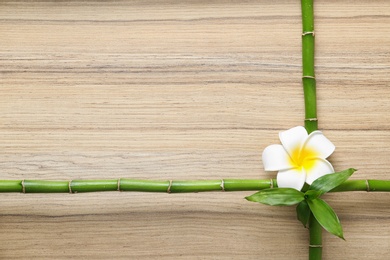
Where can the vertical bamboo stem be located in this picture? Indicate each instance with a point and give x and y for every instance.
(308, 77)
(311, 122)
(315, 247)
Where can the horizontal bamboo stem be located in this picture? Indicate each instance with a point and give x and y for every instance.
(75, 186)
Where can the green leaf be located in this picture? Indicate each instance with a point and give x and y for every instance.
(326, 216)
(277, 197)
(303, 212)
(312, 194)
(331, 181)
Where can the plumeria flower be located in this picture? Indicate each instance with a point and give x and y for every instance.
(300, 158)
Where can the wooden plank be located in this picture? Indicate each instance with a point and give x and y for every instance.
(184, 90)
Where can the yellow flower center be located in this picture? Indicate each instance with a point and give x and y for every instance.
(303, 158)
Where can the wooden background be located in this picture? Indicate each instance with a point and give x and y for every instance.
(184, 90)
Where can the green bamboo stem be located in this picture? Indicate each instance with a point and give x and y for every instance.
(308, 77)
(169, 186)
(311, 122)
(315, 246)
(364, 185)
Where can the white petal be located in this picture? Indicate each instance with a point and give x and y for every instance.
(293, 139)
(293, 178)
(319, 144)
(320, 167)
(275, 158)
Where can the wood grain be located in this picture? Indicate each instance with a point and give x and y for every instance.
(184, 90)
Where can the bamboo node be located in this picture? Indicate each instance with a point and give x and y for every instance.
(222, 185)
(314, 246)
(271, 184)
(70, 187)
(119, 184)
(23, 187)
(308, 33)
(311, 119)
(169, 187)
(368, 186)
(308, 77)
